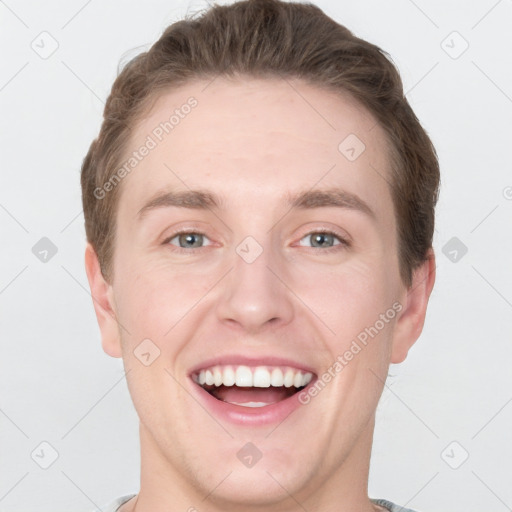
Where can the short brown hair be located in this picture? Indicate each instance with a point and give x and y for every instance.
(269, 38)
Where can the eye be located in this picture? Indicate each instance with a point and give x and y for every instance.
(187, 240)
(325, 239)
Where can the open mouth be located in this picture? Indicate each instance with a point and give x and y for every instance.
(252, 386)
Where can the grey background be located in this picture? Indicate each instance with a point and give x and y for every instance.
(450, 398)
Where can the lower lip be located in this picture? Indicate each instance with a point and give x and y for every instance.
(250, 416)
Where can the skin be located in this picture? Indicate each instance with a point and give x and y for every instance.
(251, 141)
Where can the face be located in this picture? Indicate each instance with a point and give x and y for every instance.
(257, 290)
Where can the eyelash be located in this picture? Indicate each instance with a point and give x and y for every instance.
(343, 242)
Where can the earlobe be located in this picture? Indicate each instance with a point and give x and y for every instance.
(410, 323)
(101, 293)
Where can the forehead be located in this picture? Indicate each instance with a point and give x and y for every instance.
(256, 138)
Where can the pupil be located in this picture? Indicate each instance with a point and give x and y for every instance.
(189, 237)
(322, 237)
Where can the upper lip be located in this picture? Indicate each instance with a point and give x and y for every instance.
(237, 360)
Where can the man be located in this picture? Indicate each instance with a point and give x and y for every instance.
(259, 211)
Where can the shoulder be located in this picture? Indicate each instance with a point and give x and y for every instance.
(113, 505)
(392, 507)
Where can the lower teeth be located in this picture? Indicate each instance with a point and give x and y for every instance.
(251, 404)
(213, 391)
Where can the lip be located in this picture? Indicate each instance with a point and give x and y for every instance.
(238, 360)
(249, 416)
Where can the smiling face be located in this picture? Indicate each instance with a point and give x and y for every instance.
(256, 257)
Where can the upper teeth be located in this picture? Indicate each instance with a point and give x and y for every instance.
(259, 377)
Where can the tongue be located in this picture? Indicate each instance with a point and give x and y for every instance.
(240, 395)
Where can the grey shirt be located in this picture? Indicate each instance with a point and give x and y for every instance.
(113, 506)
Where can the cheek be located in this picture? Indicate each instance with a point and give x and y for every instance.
(349, 296)
(150, 303)
(350, 302)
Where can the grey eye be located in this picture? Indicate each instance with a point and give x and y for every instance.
(322, 239)
(188, 240)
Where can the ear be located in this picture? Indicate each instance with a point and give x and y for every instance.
(410, 322)
(102, 296)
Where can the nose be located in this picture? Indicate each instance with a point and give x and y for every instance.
(254, 295)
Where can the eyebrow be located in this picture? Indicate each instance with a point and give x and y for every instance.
(302, 200)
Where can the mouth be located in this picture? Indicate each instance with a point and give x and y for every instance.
(252, 387)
